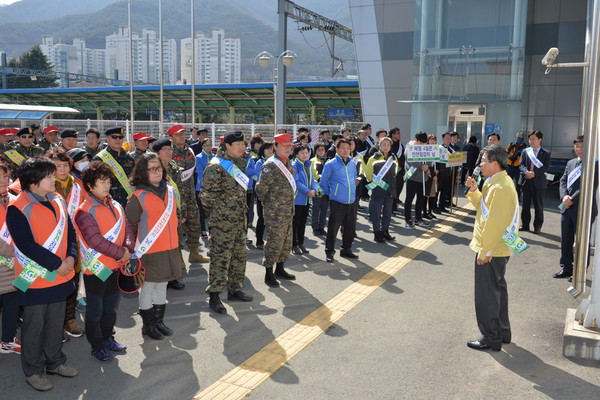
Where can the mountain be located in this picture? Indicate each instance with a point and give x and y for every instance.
(255, 34)
(45, 9)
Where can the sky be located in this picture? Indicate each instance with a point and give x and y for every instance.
(4, 2)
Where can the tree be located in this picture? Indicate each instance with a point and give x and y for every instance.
(33, 59)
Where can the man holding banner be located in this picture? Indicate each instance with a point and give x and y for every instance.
(495, 238)
(416, 173)
(535, 162)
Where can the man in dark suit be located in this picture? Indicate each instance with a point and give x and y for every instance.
(398, 150)
(570, 185)
(535, 162)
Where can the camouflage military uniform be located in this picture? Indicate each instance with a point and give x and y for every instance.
(91, 151)
(174, 172)
(46, 145)
(26, 152)
(277, 196)
(137, 154)
(224, 202)
(185, 159)
(117, 191)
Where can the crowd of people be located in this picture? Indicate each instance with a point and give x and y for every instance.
(73, 218)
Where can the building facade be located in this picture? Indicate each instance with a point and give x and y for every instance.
(218, 59)
(473, 66)
(74, 58)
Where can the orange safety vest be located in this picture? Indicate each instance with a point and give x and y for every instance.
(106, 220)
(153, 208)
(42, 222)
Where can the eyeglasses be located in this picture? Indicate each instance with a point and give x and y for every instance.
(155, 169)
(27, 136)
(117, 137)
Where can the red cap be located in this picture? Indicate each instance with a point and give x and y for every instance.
(141, 136)
(284, 139)
(4, 131)
(222, 138)
(13, 131)
(175, 129)
(50, 128)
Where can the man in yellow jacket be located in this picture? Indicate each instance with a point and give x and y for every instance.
(495, 235)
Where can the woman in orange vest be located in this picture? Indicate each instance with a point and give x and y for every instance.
(46, 250)
(106, 240)
(72, 192)
(152, 212)
(8, 293)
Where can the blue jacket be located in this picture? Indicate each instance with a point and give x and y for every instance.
(202, 160)
(338, 180)
(304, 183)
(251, 171)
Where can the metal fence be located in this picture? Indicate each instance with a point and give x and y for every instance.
(152, 128)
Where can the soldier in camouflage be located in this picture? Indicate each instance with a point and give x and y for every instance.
(119, 191)
(22, 150)
(186, 160)
(92, 142)
(50, 139)
(4, 143)
(223, 197)
(140, 141)
(276, 189)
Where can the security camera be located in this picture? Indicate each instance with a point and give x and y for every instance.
(550, 57)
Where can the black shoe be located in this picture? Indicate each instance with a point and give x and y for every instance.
(296, 250)
(379, 237)
(431, 216)
(323, 232)
(159, 314)
(562, 274)
(215, 303)
(443, 210)
(175, 284)
(386, 235)
(260, 246)
(149, 325)
(239, 295)
(348, 254)
(280, 272)
(537, 231)
(524, 228)
(436, 210)
(304, 251)
(426, 216)
(316, 232)
(570, 279)
(270, 278)
(478, 345)
(506, 340)
(329, 258)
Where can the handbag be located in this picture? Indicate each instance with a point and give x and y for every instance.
(131, 276)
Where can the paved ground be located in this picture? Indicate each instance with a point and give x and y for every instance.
(405, 340)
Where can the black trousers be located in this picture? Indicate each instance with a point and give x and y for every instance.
(381, 213)
(535, 196)
(260, 224)
(340, 214)
(101, 312)
(299, 224)
(10, 315)
(201, 214)
(319, 212)
(414, 189)
(491, 300)
(41, 337)
(399, 187)
(445, 190)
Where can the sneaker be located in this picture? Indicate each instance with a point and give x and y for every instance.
(115, 347)
(102, 355)
(39, 382)
(422, 223)
(81, 305)
(73, 329)
(63, 370)
(11, 347)
(409, 226)
(248, 239)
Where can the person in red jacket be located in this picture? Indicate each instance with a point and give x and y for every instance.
(106, 241)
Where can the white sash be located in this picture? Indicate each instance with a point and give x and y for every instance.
(384, 170)
(89, 255)
(154, 233)
(232, 169)
(533, 158)
(4, 234)
(573, 176)
(74, 199)
(285, 172)
(370, 141)
(53, 241)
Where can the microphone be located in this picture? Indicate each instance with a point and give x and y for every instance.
(475, 176)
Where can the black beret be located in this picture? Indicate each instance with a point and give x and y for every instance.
(78, 154)
(233, 137)
(25, 131)
(113, 131)
(67, 133)
(160, 143)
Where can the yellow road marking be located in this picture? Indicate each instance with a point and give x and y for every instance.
(243, 379)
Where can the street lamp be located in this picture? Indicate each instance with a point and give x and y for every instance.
(264, 58)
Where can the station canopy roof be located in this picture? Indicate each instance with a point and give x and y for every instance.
(29, 112)
(251, 98)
